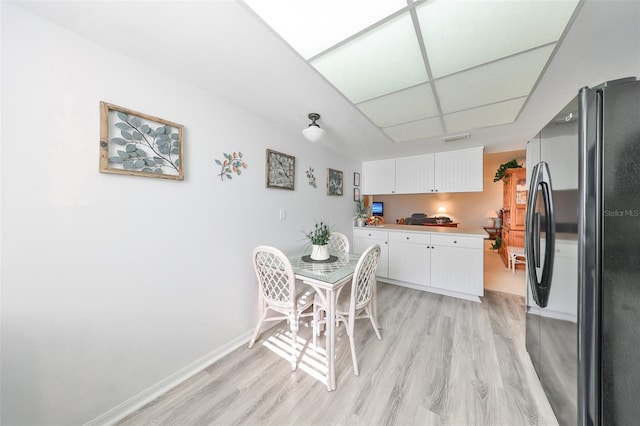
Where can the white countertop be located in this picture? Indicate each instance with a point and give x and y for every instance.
(460, 230)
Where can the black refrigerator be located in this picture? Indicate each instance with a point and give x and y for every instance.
(583, 257)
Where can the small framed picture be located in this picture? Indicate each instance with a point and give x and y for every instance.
(334, 182)
(356, 179)
(356, 194)
(280, 170)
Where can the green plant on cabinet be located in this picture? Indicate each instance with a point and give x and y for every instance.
(513, 164)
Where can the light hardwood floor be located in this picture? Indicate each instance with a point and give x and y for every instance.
(441, 361)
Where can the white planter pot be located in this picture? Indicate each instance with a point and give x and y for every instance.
(319, 252)
(360, 222)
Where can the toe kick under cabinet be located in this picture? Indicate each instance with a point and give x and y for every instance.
(444, 263)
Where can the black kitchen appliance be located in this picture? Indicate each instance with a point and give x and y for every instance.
(583, 257)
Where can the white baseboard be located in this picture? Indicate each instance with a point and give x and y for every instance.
(436, 290)
(133, 404)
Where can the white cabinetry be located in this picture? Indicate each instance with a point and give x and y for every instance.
(363, 238)
(409, 257)
(452, 171)
(379, 177)
(459, 171)
(457, 264)
(415, 175)
(449, 264)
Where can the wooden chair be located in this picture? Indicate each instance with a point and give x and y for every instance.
(280, 292)
(338, 243)
(355, 301)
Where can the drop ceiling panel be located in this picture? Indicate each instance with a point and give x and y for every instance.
(383, 60)
(415, 130)
(485, 116)
(319, 25)
(463, 34)
(400, 107)
(498, 81)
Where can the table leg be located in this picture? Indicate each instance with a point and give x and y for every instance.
(331, 340)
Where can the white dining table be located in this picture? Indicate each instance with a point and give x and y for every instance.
(327, 279)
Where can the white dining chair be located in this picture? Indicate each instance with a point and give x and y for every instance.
(338, 243)
(281, 293)
(355, 301)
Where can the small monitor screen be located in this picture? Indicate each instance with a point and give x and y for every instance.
(377, 208)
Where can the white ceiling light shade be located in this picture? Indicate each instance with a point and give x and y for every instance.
(313, 132)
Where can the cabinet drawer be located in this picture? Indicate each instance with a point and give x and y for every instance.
(457, 241)
(370, 234)
(409, 237)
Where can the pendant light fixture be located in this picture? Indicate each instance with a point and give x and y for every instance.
(313, 132)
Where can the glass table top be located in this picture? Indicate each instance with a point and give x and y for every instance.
(327, 272)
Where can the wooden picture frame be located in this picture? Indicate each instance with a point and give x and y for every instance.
(356, 194)
(356, 179)
(335, 182)
(138, 144)
(280, 170)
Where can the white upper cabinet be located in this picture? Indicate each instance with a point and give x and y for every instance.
(379, 177)
(415, 175)
(453, 171)
(459, 171)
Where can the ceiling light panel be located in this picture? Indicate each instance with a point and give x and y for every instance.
(462, 34)
(415, 130)
(498, 81)
(383, 60)
(406, 105)
(489, 115)
(311, 27)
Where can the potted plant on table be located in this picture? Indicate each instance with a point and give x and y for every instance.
(362, 213)
(319, 238)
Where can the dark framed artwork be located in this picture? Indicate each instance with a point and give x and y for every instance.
(335, 182)
(356, 179)
(133, 143)
(280, 170)
(356, 194)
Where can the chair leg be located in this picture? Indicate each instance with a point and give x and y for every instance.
(352, 343)
(375, 325)
(258, 327)
(294, 344)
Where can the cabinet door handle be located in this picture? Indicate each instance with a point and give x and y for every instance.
(455, 242)
(407, 238)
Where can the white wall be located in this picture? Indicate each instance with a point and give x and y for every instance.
(468, 208)
(112, 283)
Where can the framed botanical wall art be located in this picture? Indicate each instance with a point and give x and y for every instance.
(356, 179)
(280, 170)
(356, 194)
(334, 182)
(134, 143)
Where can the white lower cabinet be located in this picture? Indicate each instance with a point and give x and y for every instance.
(363, 238)
(457, 264)
(441, 263)
(410, 257)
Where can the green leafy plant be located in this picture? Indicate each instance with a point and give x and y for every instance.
(232, 164)
(362, 212)
(320, 234)
(145, 149)
(513, 164)
(497, 244)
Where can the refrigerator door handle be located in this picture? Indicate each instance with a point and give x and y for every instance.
(540, 178)
(536, 240)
